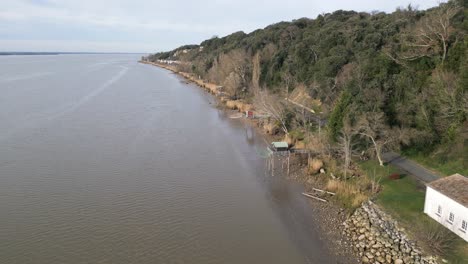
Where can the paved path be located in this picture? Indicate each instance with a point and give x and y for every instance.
(411, 167)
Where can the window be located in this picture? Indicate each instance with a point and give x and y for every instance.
(451, 218)
(439, 210)
(464, 226)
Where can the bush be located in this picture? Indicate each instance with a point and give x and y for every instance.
(315, 165)
(439, 239)
(347, 193)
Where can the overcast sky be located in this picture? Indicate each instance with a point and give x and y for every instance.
(153, 25)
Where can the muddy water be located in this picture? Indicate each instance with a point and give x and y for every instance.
(104, 160)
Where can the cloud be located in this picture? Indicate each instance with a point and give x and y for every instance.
(112, 17)
(161, 24)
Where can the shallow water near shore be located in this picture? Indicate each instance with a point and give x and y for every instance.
(104, 160)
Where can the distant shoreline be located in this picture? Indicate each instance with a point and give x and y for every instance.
(10, 53)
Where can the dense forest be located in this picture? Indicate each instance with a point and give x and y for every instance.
(380, 81)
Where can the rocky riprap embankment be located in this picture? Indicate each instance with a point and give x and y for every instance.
(377, 239)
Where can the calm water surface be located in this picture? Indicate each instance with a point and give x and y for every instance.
(104, 160)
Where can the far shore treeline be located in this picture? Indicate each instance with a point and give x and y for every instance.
(381, 81)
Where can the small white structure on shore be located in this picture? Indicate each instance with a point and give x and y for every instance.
(280, 146)
(447, 203)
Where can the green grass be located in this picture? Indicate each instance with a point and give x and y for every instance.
(441, 164)
(404, 200)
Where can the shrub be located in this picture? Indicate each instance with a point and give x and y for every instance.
(358, 199)
(347, 193)
(315, 165)
(439, 239)
(333, 185)
(231, 105)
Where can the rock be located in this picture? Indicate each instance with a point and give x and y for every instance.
(377, 245)
(407, 259)
(379, 239)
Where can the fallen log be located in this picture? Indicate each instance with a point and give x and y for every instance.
(322, 191)
(314, 197)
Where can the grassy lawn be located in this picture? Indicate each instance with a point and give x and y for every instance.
(445, 167)
(404, 200)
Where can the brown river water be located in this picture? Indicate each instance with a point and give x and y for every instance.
(104, 160)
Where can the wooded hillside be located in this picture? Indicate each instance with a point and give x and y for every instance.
(383, 81)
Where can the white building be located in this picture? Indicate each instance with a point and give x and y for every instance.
(447, 203)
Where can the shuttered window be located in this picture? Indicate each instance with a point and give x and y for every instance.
(451, 218)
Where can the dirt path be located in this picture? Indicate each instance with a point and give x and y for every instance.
(414, 169)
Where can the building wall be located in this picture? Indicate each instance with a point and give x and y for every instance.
(434, 199)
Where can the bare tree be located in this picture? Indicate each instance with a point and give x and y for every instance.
(256, 71)
(431, 35)
(375, 181)
(289, 81)
(346, 142)
(450, 98)
(232, 71)
(373, 127)
(273, 106)
(232, 83)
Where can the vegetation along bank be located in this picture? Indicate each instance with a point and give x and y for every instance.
(349, 87)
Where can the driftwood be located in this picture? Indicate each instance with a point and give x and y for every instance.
(322, 191)
(314, 197)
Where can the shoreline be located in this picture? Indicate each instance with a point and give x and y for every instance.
(329, 217)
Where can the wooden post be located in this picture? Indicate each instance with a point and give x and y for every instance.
(272, 165)
(314, 197)
(322, 191)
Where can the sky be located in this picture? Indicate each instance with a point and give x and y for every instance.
(147, 26)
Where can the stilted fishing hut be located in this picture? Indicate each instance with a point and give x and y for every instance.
(279, 146)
